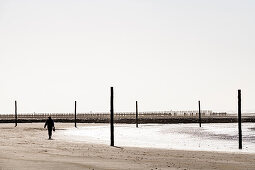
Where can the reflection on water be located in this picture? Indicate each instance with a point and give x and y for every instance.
(212, 137)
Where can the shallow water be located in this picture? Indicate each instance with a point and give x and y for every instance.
(210, 137)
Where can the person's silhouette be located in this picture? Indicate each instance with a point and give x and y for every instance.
(50, 126)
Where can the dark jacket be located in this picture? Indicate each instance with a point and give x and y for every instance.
(49, 123)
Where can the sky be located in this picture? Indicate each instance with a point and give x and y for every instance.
(165, 54)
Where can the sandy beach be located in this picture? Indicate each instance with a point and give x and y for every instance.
(27, 147)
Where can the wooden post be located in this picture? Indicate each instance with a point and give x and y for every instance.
(239, 119)
(75, 114)
(112, 117)
(136, 120)
(199, 113)
(16, 114)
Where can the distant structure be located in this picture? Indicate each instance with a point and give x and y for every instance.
(195, 113)
(190, 113)
(105, 115)
(218, 114)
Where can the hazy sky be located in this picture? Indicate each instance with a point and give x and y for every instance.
(167, 54)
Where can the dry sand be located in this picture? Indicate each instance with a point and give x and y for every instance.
(27, 147)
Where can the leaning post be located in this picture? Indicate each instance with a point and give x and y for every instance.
(16, 114)
(199, 113)
(75, 114)
(239, 119)
(112, 117)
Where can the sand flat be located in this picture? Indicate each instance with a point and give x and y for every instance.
(27, 147)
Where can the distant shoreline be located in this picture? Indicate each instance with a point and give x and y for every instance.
(158, 120)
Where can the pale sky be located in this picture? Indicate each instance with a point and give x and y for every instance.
(167, 54)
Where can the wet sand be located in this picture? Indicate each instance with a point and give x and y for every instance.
(27, 147)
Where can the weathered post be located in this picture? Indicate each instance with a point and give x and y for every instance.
(16, 114)
(112, 116)
(136, 120)
(239, 119)
(75, 114)
(199, 113)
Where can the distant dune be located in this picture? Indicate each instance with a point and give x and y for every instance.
(127, 118)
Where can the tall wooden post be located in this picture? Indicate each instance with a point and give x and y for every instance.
(112, 117)
(239, 119)
(75, 114)
(16, 114)
(136, 120)
(199, 113)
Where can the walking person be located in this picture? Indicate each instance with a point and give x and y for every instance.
(50, 126)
